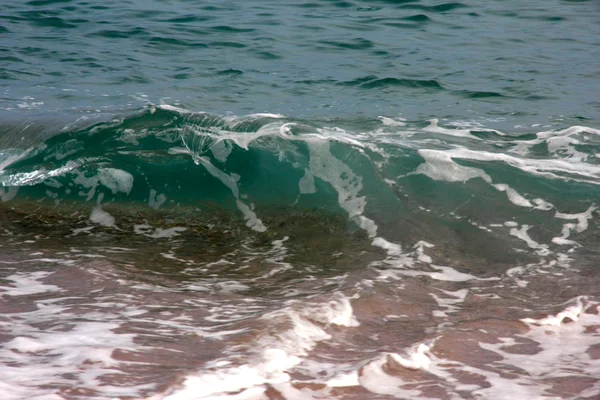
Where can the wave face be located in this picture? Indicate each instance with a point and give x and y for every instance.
(379, 174)
(167, 158)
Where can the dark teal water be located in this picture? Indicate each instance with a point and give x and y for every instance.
(299, 200)
(503, 62)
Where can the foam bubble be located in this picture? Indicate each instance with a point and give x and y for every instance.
(101, 217)
(115, 179)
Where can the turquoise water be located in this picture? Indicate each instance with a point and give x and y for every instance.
(299, 200)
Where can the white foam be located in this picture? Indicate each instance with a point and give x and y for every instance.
(572, 312)
(568, 131)
(221, 150)
(114, 179)
(347, 184)
(421, 256)
(101, 217)
(344, 380)
(513, 195)
(552, 168)
(400, 264)
(53, 183)
(85, 229)
(449, 301)
(178, 150)
(277, 256)
(157, 233)
(415, 358)
(446, 274)
(75, 354)
(566, 232)
(173, 108)
(392, 249)
(16, 392)
(156, 200)
(237, 378)
(267, 115)
(277, 353)
(391, 121)
(435, 128)
(10, 156)
(327, 134)
(322, 163)
(207, 139)
(36, 177)
(65, 149)
(561, 342)
(374, 378)
(307, 183)
(512, 272)
(252, 221)
(562, 352)
(542, 204)
(562, 142)
(439, 166)
(337, 311)
(24, 284)
(582, 218)
(541, 249)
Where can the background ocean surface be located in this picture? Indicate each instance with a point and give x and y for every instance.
(299, 200)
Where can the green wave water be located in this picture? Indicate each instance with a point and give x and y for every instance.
(382, 174)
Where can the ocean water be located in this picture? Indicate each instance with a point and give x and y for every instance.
(385, 199)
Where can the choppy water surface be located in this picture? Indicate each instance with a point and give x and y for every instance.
(299, 200)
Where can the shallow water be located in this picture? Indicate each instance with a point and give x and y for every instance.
(326, 200)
